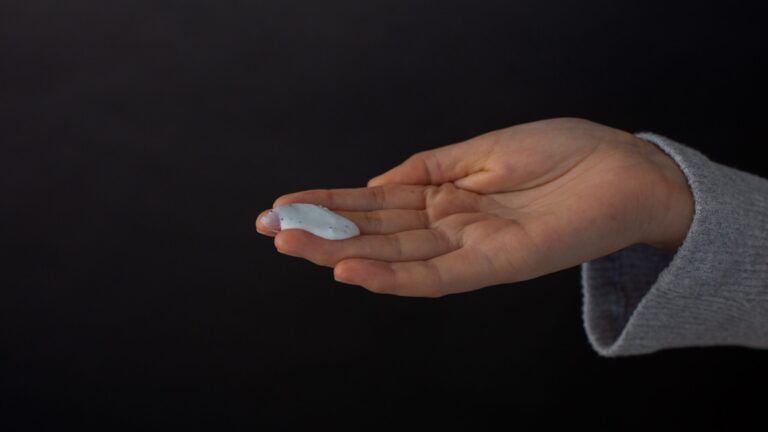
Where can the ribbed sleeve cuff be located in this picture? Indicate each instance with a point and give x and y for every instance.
(713, 290)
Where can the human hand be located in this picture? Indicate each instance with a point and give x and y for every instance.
(506, 206)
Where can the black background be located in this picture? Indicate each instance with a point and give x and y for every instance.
(140, 140)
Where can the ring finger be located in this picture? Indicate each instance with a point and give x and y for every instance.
(418, 244)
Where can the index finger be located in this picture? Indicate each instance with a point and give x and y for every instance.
(389, 196)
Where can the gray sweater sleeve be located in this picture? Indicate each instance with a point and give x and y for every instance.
(713, 290)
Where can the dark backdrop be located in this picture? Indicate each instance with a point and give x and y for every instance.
(140, 140)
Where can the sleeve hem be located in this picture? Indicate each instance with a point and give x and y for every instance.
(641, 299)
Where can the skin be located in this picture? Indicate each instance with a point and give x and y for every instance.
(505, 206)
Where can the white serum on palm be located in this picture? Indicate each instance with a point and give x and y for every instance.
(316, 219)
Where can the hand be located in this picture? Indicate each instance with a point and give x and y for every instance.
(506, 206)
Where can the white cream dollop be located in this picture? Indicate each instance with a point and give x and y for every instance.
(316, 219)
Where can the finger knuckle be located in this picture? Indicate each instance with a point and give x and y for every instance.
(375, 221)
(380, 195)
(428, 163)
(424, 218)
(418, 156)
(396, 245)
(328, 197)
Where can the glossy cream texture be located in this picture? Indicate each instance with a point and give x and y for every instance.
(318, 220)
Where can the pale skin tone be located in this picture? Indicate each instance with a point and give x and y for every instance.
(506, 206)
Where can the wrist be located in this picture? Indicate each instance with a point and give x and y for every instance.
(671, 205)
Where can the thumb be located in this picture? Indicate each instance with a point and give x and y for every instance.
(440, 165)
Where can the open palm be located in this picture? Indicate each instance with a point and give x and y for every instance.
(506, 206)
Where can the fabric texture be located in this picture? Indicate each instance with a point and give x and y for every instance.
(712, 290)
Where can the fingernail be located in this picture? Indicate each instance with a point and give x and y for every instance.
(271, 221)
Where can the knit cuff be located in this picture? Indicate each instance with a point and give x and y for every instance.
(713, 290)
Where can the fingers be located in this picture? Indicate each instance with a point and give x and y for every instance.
(360, 199)
(387, 221)
(262, 228)
(440, 165)
(461, 270)
(403, 246)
